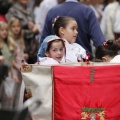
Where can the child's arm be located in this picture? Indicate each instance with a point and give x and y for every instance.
(14, 76)
(1, 59)
(81, 53)
(15, 65)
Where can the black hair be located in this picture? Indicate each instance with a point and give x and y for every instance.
(118, 0)
(110, 48)
(57, 40)
(60, 22)
(3, 72)
(4, 6)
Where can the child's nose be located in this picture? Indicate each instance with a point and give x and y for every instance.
(76, 31)
(59, 52)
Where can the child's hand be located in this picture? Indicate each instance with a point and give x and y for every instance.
(37, 63)
(26, 56)
(28, 93)
(1, 59)
(23, 64)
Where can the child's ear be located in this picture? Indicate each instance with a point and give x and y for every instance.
(47, 54)
(61, 30)
(104, 59)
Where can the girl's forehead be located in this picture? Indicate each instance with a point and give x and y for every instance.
(15, 22)
(57, 43)
(4, 27)
(71, 22)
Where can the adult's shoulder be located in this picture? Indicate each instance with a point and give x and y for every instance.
(12, 7)
(74, 6)
(48, 4)
(16, 5)
(112, 6)
(56, 7)
(12, 12)
(87, 8)
(15, 8)
(84, 8)
(87, 11)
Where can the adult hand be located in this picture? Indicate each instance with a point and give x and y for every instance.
(35, 29)
(26, 56)
(31, 25)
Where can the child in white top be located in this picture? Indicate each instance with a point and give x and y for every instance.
(51, 51)
(66, 28)
(108, 52)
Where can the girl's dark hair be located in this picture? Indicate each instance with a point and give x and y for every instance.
(118, 0)
(60, 22)
(110, 48)
(57, 40)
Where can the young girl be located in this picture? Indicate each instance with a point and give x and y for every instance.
(51, 51)
(8, 91)
(16, 46)
(66, 28)
(16, 41)
(21, 11)
(3, 43)
(108, 52)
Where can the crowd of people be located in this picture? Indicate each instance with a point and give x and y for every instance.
(49, 32)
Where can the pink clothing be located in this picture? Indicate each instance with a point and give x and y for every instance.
(2, 18)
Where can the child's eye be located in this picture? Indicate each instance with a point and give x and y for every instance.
(73, 28)
(61, 49)
(54, 50)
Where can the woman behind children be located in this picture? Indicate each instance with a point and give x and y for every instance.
(17, 47)
(51, 51)
(108, 52)
(66, 27)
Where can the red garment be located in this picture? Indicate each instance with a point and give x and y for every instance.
(2, 18)
(86, 92)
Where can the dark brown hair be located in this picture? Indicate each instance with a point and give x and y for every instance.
(57, 40)
(110, 48)
(60, 22)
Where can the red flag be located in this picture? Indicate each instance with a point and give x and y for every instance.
(86, 92)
